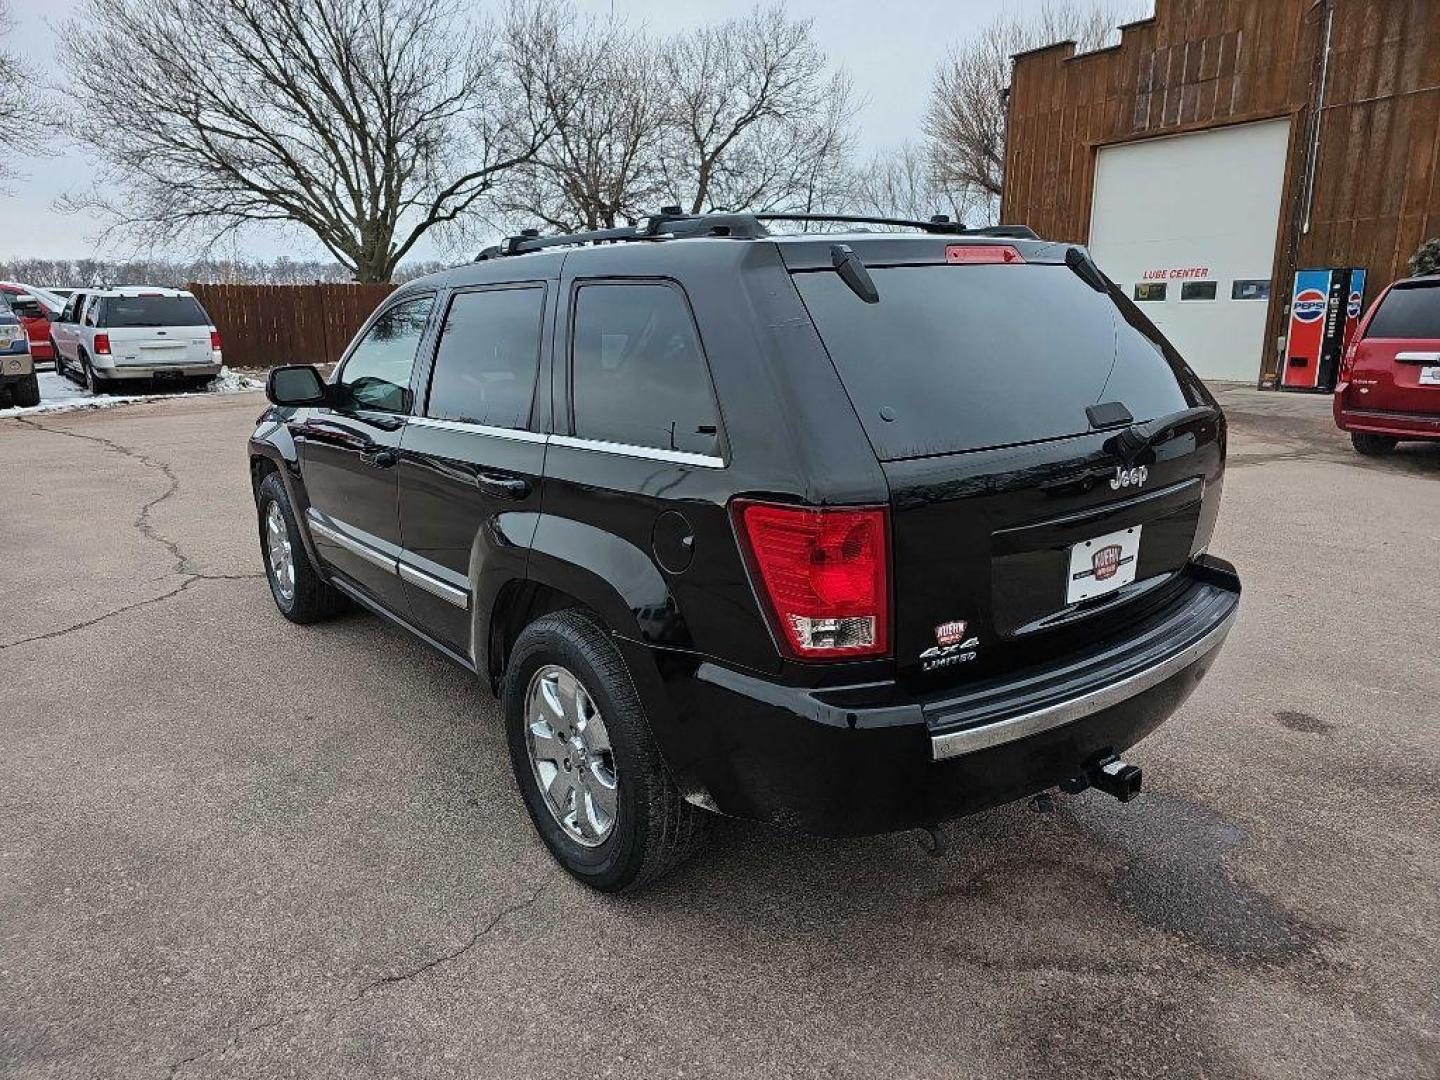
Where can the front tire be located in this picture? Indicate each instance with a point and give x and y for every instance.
(26, 392)
(1372, 445)
(585, 761)
(300, 594)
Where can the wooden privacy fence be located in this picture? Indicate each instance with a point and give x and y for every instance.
(263, 326)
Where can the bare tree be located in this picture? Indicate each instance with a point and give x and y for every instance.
(603, 165)
(758, 119)
(18, 105)
(965, 120)
(367, 123)
(901, 183)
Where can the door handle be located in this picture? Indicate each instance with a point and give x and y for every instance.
(506, 487)
(381, 457)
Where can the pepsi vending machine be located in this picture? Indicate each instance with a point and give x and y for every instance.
(1324, 311)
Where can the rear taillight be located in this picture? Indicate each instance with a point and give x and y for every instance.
(983, 253)
(215, 340)
(102, 344)
(824, 573)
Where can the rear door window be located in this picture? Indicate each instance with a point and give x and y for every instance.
(638, 373)
(1411, 310)
(957, 358)
(133, 311)
(489, 353)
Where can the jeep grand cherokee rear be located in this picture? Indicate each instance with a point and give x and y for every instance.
(850, 533)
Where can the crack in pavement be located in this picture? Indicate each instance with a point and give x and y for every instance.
(184, 565)
(478, 935)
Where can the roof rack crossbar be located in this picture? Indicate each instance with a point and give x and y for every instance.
(938, 224)
(671, 224)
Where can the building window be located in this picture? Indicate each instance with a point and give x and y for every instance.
(1197, 290)
(1149, 291)
(1248, 289)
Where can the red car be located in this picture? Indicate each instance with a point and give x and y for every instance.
(35, 308)
(1389, 385)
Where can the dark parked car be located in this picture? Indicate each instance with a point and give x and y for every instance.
(1389, 386)
(844, 532)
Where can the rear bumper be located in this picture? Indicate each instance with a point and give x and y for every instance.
(815, 761)
(122, 372)
(1402, 425)
(41, 350)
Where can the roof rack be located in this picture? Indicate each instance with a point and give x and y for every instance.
(671, 223)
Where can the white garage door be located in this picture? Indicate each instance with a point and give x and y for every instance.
(1186, 225)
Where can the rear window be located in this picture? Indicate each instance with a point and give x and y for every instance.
(1408, 311)
(120, 311)
(638, 375)
(959, 358)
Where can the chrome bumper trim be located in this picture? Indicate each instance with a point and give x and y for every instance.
(967, 741)
(434, 586)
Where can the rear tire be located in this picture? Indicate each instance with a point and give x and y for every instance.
(299, 592)
(648, 827)
(93, 385)
(1372, 445)
(26, 392)
(58, 360)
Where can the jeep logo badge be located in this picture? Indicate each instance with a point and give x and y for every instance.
(1105, 562)
(1129, 477)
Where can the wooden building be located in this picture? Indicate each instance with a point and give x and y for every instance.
(1224, 144)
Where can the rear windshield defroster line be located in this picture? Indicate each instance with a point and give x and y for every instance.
(960, 358)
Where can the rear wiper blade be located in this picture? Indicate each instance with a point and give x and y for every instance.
(852, 271)
(1078, 260)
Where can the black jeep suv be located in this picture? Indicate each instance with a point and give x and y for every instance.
(850, 532)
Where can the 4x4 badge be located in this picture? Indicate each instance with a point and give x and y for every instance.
(951, 646)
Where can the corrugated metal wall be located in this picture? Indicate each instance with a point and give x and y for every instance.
(1203, 63)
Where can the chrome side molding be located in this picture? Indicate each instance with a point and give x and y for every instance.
(406, 572)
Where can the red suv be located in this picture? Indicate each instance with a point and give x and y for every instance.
(1389, 385)
(34, 308)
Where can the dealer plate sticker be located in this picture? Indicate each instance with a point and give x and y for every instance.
(1430, 376)
(1103, 565)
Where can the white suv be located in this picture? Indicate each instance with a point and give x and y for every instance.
(114, 335)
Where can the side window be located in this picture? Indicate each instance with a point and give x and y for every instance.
(376, 375)
(488, 357)
(638, 375)
(92, 307)
(72, 308)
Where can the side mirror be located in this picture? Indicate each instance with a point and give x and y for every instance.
(296, 386)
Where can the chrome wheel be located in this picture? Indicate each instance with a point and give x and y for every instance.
(282, 558)
(570, 755)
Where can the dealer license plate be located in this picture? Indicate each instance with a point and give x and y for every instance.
(1103, 565)
(1430, 376)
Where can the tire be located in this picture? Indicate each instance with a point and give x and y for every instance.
(1372, 445)
(652, 829)
(58, 360)
(92, 384)
(26, 392)
(300, 594)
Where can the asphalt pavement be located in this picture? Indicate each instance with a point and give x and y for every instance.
(231, 846)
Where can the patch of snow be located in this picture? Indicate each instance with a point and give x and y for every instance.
(59, 394)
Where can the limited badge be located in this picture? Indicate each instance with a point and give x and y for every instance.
(950, 633)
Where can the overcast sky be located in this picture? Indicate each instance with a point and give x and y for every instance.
(889, 48)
